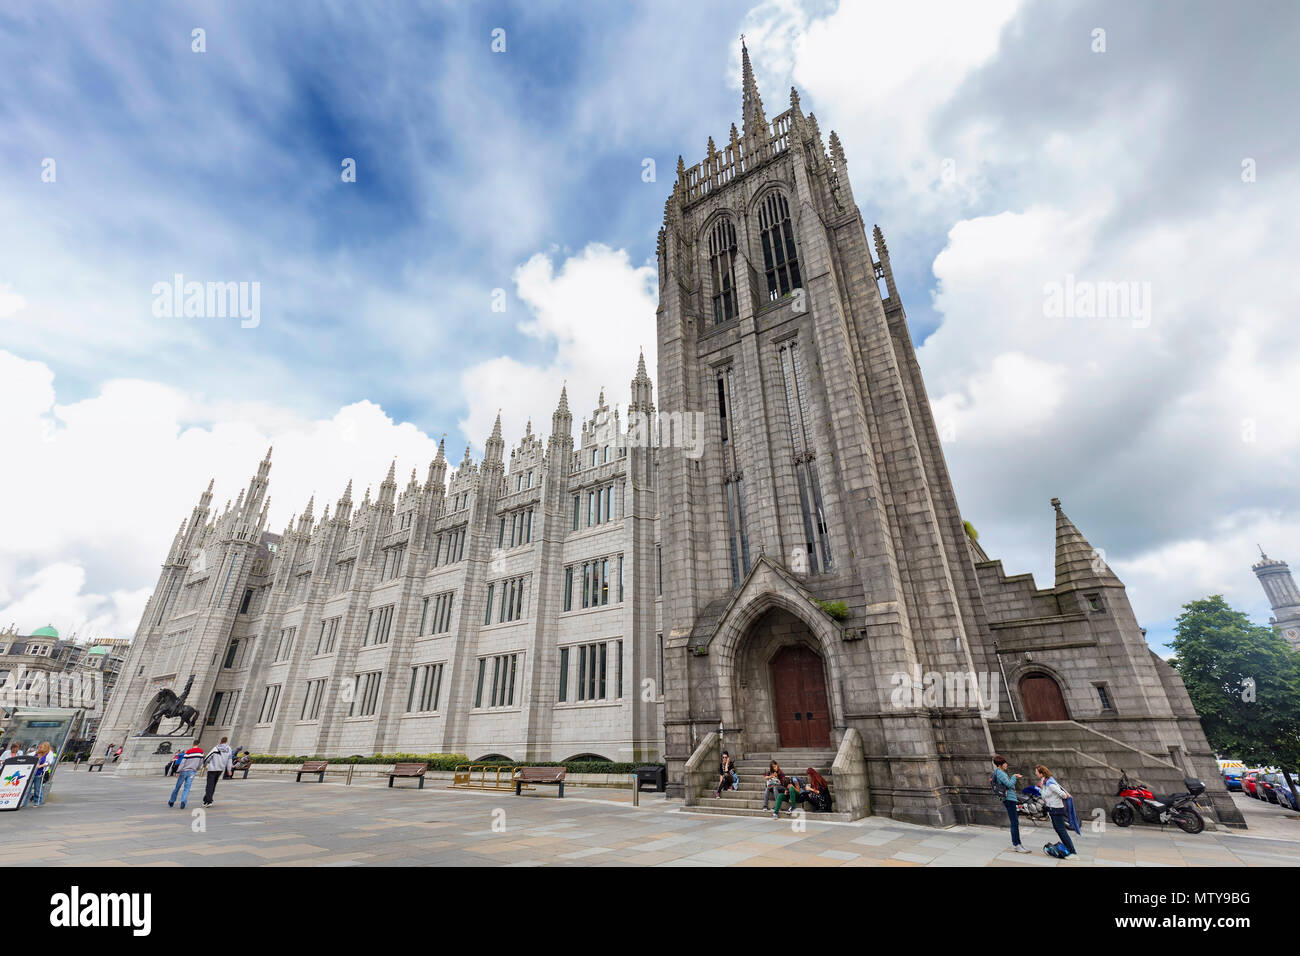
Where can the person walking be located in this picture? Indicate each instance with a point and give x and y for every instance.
(217, 760)
(1056, 797)
(189, 766)
(1005, 785)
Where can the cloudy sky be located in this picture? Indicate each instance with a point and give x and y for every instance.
(1006, 148)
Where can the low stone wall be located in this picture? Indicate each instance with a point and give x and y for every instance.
(701, 768)
(849, 778)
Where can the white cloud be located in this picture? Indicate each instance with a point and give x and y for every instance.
(591, 316)
(96, 488)
(11, 303)
(1173, 442)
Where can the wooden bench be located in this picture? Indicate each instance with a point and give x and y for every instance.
(96, 764)
(243, 763)
(311, 766)
(408, 770)
(552, 775)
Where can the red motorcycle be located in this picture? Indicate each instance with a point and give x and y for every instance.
(1136, 798)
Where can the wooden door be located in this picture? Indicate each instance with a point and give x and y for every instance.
(799, 689)
(1042, 698)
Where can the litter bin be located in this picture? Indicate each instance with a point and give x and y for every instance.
(654, 775)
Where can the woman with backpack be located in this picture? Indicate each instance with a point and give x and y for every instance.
(1056, 795)
(1004, 784)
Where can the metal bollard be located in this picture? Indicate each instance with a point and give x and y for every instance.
(351, 767)
(636, 791)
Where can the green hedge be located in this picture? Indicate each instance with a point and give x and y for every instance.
(451, 761)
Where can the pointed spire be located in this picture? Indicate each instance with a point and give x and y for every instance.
(562, 419)
(642, 391)
(794, 99)
(882, 257)
(837, 152)
(1078, 563)
(751, 104)
(494, 448)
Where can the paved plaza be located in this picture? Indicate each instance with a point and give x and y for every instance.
(104, 820)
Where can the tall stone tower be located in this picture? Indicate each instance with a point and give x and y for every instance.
(821, 496)
(822, 602)
(1283, 595)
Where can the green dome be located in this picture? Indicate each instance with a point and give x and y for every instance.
(46, 631)
(98, 650)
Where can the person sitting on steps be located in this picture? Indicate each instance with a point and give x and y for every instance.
(727, 775)
(774, 781)
(818, 792)
(793, 793)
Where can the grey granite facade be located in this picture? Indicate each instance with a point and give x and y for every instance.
(773, 561)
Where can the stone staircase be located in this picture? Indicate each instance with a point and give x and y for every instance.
(748, 800)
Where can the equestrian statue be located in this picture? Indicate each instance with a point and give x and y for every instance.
(167, 706)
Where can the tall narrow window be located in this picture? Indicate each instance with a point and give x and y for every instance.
(568, 589)
(733, 481)
(817, 543)
(564, 674)
(722, 267)
(780, 262)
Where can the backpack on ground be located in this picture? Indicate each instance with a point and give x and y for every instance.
(1056, 850)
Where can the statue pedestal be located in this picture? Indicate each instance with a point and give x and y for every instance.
(139, 760)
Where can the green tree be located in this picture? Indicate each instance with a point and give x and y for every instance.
(1244, 681)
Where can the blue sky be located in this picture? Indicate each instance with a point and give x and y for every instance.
(997, 147)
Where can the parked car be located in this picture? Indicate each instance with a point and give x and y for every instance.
(1283, 792)
(1232, 778)
(1264, 786)
(1248, 780)
(1275, 788)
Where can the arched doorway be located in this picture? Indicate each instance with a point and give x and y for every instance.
(803, 718)
(1042, 698)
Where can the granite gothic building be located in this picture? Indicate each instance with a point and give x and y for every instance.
(782, 570)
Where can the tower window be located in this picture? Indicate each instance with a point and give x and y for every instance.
(780, 261)
(722, 267)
